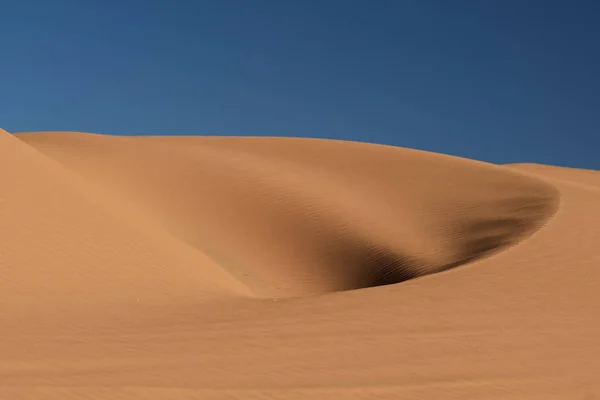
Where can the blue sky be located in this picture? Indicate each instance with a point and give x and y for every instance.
(496, 80)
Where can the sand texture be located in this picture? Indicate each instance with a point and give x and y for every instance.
(283, 268)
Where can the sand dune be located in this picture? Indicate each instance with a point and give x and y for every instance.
(259, 268)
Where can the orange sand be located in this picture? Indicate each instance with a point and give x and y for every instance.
(275, 268)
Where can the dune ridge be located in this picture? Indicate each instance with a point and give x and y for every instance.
(147, 267)
(331, 234)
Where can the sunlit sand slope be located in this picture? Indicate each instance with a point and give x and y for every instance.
(65, 245)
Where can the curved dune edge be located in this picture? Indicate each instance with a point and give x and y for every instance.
(288, 221)
(111, 288)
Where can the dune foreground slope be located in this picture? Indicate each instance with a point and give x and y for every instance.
(279, 268)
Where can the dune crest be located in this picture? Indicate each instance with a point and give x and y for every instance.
(222, 268)
(288, 221)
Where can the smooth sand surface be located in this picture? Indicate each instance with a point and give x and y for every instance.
(278, 268)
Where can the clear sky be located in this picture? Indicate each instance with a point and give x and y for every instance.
(496, 80)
